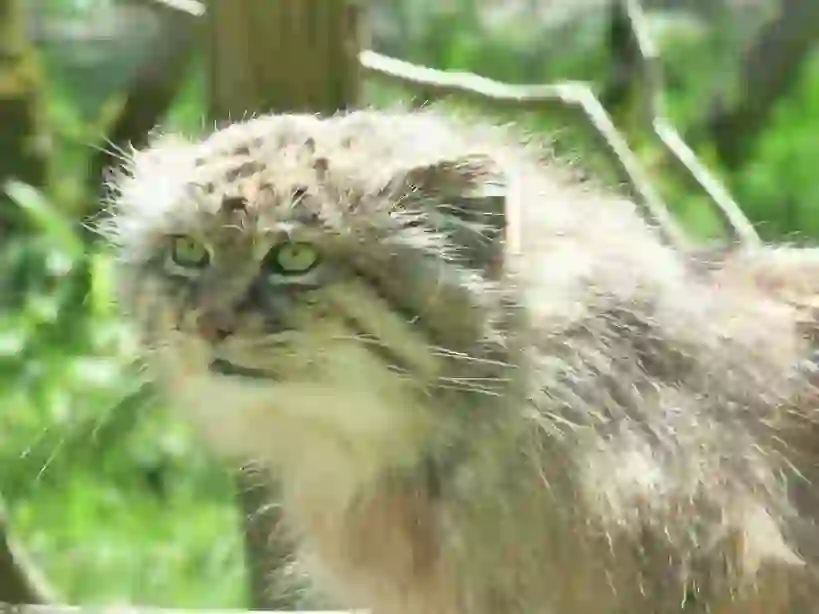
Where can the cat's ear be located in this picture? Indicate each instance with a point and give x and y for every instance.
(465, 198)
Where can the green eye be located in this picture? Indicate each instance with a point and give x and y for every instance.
(189, 253)
(292, 259)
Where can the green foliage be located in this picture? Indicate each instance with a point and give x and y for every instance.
(113, 497)
(779, 186)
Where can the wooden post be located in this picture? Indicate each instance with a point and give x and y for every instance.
(278, 56)
(283, 56)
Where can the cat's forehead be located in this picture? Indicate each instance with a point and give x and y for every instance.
(242, 172)
(268, 160)
(358, 146)
(276, 169)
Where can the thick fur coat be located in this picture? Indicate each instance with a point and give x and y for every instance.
(484, 387)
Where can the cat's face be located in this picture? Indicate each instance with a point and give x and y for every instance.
(269, 263)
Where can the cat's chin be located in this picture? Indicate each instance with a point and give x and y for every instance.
(220, 366)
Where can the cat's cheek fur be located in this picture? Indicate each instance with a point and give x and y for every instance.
(338, 429)
(221, 411)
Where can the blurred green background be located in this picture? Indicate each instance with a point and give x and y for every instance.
(114, 499)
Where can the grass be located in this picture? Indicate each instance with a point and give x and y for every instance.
(115, 500)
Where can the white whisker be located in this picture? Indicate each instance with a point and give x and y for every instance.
(479, 390)
(475, 379)
(447, 353)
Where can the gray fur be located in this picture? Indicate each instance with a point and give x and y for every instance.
(566, 415)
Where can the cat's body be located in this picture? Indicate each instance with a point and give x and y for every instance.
(484, 389)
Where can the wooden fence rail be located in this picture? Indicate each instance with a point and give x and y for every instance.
(128, 609)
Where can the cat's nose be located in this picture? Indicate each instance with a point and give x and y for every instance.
(216, 326)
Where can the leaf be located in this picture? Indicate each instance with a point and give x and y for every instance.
(44, 215)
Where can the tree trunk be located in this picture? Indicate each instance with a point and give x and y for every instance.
(283, 56)
(279, 56)
(21, 144)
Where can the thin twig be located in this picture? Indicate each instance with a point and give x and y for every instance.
(555, 97)
(736, 222)
(543, 98)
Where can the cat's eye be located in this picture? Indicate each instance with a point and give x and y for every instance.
(189, 253)
(292, 259)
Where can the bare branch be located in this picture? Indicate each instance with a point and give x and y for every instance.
(555, 98)
(652, 88)
(560, 97)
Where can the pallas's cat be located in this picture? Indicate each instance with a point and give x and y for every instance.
(485, 388)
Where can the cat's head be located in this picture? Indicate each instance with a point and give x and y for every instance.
(363, 250)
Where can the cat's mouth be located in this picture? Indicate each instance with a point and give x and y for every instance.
(225, 367)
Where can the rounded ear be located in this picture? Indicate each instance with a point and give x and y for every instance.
(465, 198)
